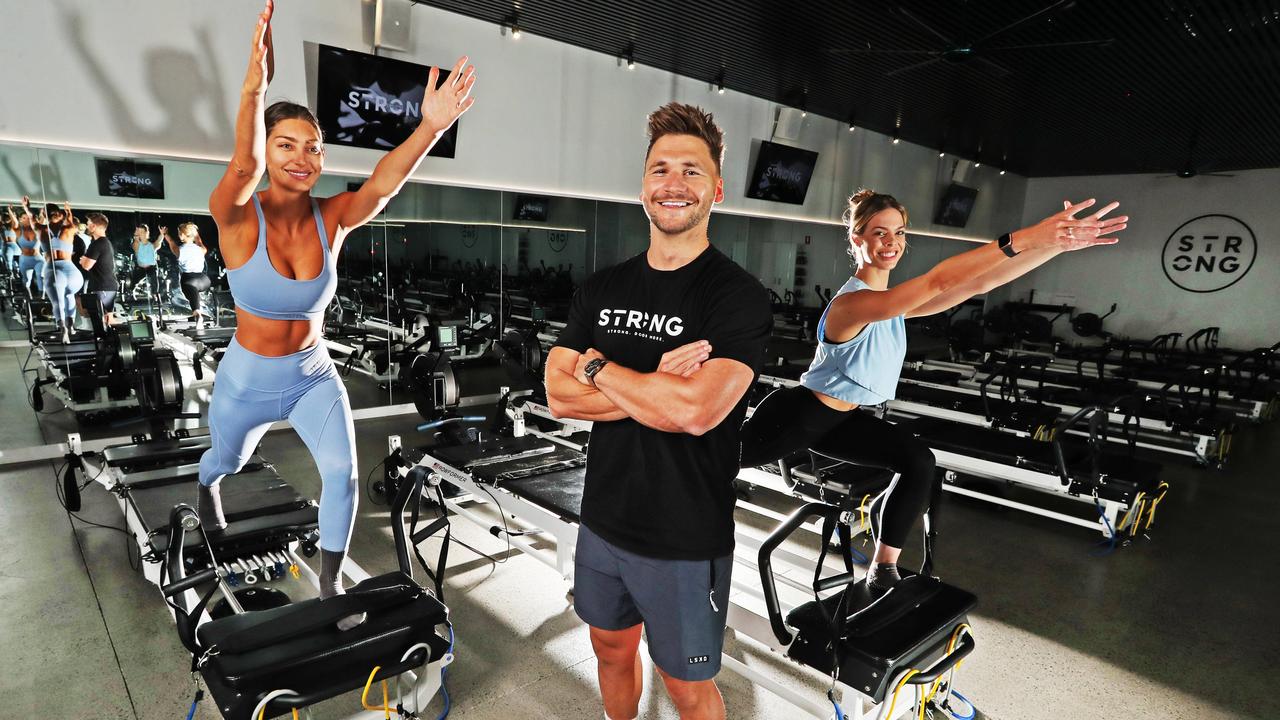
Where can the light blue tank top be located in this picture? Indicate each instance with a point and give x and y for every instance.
(258, 288)
(190, 258)
(865, 369)
(146, 254)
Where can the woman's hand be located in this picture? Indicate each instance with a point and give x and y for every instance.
(441, 106)
(1064, 232)
(262, 60)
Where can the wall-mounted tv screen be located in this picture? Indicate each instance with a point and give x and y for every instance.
(782, 173)
(531, 207)
(128, 178)
(955, 206)
(373, 102)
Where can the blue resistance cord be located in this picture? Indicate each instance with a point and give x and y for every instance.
(444, 689)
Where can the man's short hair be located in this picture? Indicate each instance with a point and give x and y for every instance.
(97, 218)
(680, 119)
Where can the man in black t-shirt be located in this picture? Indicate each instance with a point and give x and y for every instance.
(659, 352)
(99, 263)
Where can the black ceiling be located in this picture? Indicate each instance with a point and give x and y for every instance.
(1179, 73)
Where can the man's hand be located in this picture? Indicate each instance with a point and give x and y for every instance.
(686, 359)
(579, 371)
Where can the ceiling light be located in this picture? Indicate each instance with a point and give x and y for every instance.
(1001, 171)
(515, 32)
(942, 153)
(720, 82)
(852, 127)
(977, 163)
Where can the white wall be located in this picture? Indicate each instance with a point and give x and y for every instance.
(1130, 273)
(549, 117)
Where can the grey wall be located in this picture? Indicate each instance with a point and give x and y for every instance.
(1130, 273)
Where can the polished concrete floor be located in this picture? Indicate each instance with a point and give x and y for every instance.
(1183, 624)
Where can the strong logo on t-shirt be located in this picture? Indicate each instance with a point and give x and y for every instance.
(640, 323)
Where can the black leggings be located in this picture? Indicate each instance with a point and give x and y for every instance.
(149, 272)
(192, 285)
(793, 419)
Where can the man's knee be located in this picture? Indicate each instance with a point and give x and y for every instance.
(616, 647)
(688, 695)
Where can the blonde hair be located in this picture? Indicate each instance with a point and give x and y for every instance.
(188, 229)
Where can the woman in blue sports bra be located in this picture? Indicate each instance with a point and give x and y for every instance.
(862, 343)
(11, 249)
(62, 279)
(281, 248)
(30, 254)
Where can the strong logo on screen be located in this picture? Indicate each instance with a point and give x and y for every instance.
(1209, 253)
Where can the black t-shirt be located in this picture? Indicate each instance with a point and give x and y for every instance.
(102, 276)
(654, 493)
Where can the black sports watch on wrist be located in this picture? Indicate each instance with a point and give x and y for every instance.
(1006, 244)
(593, 367)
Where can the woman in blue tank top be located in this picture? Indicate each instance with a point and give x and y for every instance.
(281, 249)
(190, 251)
(862, 343)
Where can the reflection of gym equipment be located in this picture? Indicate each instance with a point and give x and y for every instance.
(1090, 324)
(440, 380)
(117, 368)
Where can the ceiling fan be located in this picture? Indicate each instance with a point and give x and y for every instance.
(954, 51)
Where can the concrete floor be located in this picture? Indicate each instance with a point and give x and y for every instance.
(1181, 625)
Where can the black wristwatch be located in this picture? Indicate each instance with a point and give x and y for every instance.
(1006, 244)
(593, 367)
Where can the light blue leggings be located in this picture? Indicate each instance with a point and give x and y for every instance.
(252, 391)
(32, 266)
(61, 283)
(11, 255)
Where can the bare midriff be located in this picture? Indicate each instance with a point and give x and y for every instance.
(60, 255)
(274, 338)
(834, 403)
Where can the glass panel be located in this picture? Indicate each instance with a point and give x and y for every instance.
(19, 176)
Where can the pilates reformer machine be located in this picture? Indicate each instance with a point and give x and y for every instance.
(110, 371)
(1122, 491)
(528, 470)
(259, 653)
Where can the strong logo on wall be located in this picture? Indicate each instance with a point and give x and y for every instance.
(1209, 253)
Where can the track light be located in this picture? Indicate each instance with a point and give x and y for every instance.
(852, 127)
(942, 153)
(513, 22)
(720, 82)
(1001, 171)
(630, 57)
(515, 32)
(896, 139)
(977, 163)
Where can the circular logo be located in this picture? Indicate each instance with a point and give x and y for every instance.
(1209, 253)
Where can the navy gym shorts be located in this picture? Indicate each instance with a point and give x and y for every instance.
(614, 589)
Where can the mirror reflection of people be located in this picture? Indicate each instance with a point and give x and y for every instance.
(144, 258)
(31, 253)
(62, 279)
(190, 251)
(280, 248)
(99, 262)
(11, 250)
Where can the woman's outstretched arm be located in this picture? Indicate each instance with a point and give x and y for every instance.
(249, 159)
(1061, 231)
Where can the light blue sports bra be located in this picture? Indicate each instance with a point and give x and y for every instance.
(145, 254)
(26, 244)
(257, 287)
(865, 369)
(10, 237)
(57, 243)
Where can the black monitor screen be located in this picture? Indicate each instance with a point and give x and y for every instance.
(447, 337)
(782, 173)
(955, 206)
(530, 207)
(373, 102)
(141, 330)
(128, 178)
